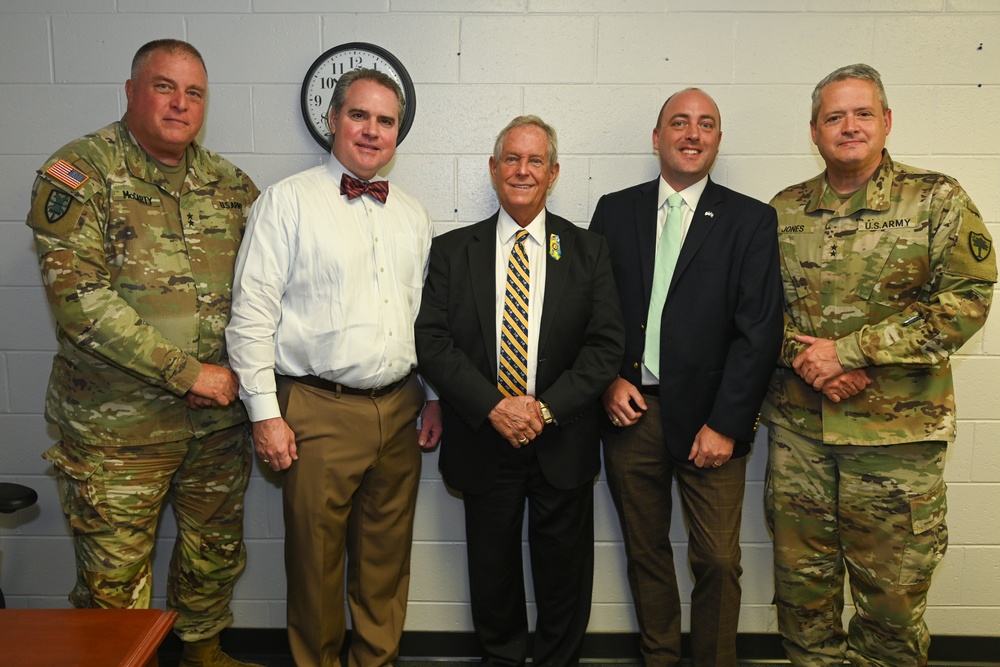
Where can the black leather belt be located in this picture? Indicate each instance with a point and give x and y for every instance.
(651, 389)
(338, 388)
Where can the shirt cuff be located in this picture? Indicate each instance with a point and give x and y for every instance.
(181, 382)
(262, 406)
(430, 394)
(849, 352)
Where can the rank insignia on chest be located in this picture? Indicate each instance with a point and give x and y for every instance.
(56, 206)
(980, 246)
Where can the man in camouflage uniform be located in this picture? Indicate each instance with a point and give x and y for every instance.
(137, 228)
(887, 271)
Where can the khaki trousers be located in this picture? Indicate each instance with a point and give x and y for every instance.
(352, 493)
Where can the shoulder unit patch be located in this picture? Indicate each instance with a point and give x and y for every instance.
(981, 245)
(56, 205)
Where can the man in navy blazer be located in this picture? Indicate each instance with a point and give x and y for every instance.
(692, 413)
(539, 444)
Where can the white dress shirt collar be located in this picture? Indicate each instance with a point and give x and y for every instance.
(336, 170)
(692, 193)
(507, 228)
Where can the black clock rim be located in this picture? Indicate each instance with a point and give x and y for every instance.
(409, 93)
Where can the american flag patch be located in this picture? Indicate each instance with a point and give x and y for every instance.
(68, 174)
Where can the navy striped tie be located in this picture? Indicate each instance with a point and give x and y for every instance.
(513, 376)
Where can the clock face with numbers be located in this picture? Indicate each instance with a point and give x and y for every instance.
(317, 87)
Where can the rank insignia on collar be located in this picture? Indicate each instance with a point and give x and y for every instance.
(56, 206)
(68, 174)
(555, 249)
(980, 245)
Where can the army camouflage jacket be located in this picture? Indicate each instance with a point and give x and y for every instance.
(139, 279)
(900, 276)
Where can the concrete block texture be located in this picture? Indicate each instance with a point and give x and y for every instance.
(598, 71)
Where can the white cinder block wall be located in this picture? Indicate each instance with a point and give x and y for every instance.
(598, 70)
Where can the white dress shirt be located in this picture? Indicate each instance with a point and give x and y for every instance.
(326, 287)
(536, 245)
(691, 195)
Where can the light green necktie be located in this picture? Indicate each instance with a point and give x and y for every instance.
(666, 259)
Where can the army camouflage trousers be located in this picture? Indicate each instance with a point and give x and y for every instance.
(113, 498)
(879, 511)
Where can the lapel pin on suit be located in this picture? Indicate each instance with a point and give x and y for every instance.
(710, 214)
(555, 249)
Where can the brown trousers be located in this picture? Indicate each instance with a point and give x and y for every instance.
(640, 473)
(351, 492)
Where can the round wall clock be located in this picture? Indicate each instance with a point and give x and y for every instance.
(317, 87)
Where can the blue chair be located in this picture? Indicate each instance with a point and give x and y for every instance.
(14, 497)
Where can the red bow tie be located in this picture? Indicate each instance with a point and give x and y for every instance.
(353, 187)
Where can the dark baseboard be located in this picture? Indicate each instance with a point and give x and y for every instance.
(976, 650)
(597, 647)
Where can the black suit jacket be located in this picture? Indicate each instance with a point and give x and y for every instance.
(721, 325)
(579, 352)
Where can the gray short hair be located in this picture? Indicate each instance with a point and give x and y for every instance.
(521, 121)
(859, 71)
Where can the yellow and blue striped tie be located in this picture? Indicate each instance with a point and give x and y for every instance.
(513, 376)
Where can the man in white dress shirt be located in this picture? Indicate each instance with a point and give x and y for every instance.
(328, 284)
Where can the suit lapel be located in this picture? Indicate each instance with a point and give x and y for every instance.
(705, 217)
(645, 234)
(482, 274)
(556, 275)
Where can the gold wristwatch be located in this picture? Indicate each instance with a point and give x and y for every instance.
(546, 413)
